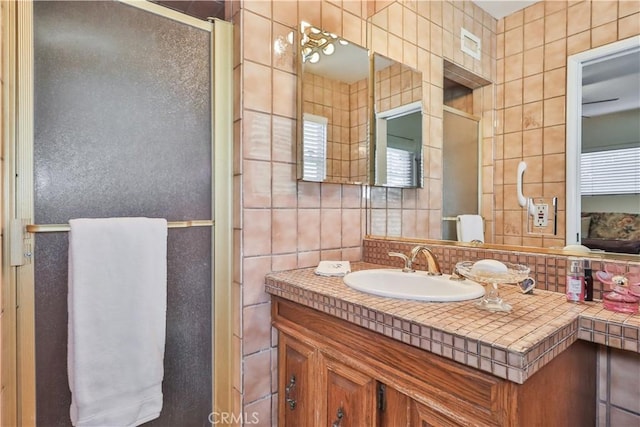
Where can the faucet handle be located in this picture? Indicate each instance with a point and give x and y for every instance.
(408, 268)
(455, 275)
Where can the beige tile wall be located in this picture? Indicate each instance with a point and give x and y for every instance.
(397, 85)
(459, 99)
(359, 150)
(532, 49)
(280, 223)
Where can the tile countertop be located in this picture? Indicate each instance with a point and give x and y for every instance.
(508, 345)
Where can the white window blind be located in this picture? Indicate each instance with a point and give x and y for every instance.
(314, 148)
(400, 167)
(610, 172)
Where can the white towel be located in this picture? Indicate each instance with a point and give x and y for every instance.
(117, 316)
(333, 268)
(469, 228)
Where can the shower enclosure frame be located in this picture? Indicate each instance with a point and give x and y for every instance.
(18, 402)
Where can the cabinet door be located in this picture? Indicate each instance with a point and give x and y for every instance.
(350, 396)
(393, 407)
(295, 361)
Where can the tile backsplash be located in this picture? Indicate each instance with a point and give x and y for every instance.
(548, 270)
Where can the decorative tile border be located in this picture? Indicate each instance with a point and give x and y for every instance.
(508, 345)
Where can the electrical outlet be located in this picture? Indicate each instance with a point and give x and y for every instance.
(541, 215)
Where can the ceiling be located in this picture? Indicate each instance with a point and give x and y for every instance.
(349, 63)
(501, 8)
(611, 85)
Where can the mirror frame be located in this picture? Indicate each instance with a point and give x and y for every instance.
(379, 155)
(575, 63)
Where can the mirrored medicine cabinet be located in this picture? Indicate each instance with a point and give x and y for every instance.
(345, 139)
(334, 108)
(397, 121)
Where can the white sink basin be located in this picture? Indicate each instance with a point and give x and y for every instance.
(395, 283)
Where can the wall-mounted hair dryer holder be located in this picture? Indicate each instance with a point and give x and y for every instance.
(542, 212)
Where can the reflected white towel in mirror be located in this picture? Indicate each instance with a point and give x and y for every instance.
(469, 228)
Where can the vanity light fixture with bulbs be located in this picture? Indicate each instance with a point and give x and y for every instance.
(316, 42)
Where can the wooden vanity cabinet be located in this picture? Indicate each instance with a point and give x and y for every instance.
(348, 376)
(317, 389)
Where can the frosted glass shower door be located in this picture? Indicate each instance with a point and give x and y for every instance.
(123, 127)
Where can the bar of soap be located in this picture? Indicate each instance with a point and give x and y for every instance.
(576, 248)
(489, 266)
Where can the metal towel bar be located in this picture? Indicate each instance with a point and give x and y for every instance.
(53, 228)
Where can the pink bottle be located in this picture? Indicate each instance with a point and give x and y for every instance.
(575, 281)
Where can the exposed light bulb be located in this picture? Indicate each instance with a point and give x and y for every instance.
(329, 49)
(315, 57)
(343, 42)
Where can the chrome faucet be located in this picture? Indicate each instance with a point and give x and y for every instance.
(433, 267)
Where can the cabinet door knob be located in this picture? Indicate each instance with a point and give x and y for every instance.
(287, 392)
(339, 416)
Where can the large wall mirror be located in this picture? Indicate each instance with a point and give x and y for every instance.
(397, 152)
(333, 118)
(603, 148)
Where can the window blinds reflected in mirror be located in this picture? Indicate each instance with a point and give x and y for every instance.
(401, 167)
(610, 172)
(314, 147)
